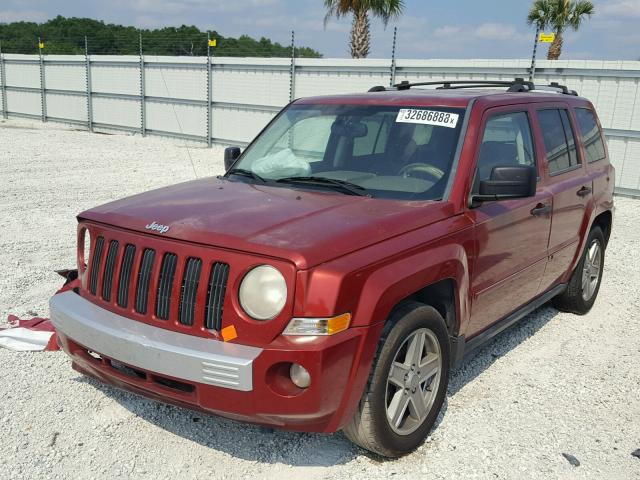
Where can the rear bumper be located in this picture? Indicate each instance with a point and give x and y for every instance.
(236, 381)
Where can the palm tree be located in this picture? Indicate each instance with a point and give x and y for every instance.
(360, 9)
(559, 15)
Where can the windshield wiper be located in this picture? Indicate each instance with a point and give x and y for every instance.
(335, 184)
(245, 173)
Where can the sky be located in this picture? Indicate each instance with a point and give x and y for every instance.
(427, 29)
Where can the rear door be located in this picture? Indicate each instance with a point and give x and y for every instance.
(510, 235)
(568, 183)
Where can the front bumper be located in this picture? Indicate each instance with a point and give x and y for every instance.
(236, 381)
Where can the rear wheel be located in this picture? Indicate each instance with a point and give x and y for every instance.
(407, 385)
(584, 284)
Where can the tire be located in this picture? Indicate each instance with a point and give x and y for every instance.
(370, 427)
(581, 294)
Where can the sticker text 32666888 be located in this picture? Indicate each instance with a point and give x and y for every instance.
(428, 117)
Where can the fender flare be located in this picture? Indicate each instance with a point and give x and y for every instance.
(393, 282)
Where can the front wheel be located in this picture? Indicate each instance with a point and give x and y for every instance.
(408, 383)
(584, 284)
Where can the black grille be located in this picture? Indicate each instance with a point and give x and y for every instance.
(117, 269)
(144, 278)
(125, 275)
(215, 296)
(109, 269)
(95, 265)
(165, 284)
(189, 289)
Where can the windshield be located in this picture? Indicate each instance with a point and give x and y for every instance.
(388, 152)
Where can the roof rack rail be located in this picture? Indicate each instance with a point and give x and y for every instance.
(516, 85)
(563, 88)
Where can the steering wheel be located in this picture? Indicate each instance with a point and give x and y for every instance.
(423, 170)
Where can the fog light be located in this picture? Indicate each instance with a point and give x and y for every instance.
(299, 376)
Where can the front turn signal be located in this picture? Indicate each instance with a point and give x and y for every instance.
(318, 326)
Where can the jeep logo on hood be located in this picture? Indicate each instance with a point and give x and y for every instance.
(157, 227)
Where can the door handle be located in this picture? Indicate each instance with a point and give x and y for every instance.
(584, 191)
(541, 209)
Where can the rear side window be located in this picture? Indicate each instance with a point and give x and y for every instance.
(506, 142)
(591, 137)
(559, 141)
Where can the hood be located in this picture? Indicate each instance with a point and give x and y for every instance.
(303, 226)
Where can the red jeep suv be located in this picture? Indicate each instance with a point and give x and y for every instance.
(348, 259)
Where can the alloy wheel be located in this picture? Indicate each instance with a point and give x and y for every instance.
(413, 381)
(591, 270)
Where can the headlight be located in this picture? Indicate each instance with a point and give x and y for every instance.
(263, 292)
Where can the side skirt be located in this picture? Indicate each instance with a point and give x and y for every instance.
(461, 348)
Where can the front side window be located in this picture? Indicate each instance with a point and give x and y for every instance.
(506, 142)
(591, 136)
(382, 151)
(559, 141)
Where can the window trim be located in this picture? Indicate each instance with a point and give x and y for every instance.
(579, 158)
(565, 170)
(573, 134)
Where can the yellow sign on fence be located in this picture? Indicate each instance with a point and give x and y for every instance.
(41, 45)
(547, 37)
(213, 42)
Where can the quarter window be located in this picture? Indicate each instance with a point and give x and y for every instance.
(591, 136)
(559, 141)
(506, 142)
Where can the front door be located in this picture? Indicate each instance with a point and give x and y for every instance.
(511, 236)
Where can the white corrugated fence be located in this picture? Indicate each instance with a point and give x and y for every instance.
(230, 100)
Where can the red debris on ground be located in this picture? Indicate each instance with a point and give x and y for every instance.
(35, 324)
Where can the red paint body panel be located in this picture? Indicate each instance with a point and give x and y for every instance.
(342, 253)
(305, 227)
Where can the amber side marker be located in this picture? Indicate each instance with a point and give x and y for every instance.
(229, 333)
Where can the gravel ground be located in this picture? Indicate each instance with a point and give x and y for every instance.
(554, 384)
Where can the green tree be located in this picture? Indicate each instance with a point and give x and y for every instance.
(360, 42)
(559, 15)
(66, 36)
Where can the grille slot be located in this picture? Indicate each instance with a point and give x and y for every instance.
(144, 278)
(215, 296)
(188, 290)
(125, 275)
(165, 284)
(109, 269)
(95, 265)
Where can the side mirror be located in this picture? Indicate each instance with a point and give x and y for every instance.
(231, 154)
(509, 182)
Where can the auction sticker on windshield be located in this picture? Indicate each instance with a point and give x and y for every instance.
(427, 117)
